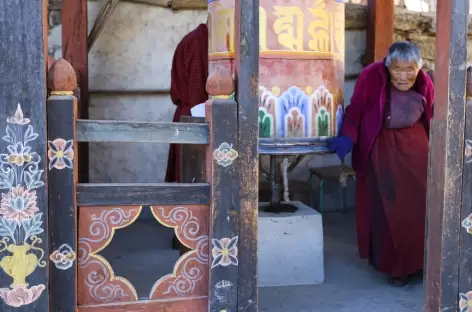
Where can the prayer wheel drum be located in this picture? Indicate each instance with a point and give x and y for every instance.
(301, 63)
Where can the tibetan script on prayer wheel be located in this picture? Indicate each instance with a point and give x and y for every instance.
(301, 63)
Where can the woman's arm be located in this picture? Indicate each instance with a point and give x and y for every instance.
(353, 112)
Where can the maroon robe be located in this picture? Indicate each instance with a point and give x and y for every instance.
(188, 80)
(391, 175)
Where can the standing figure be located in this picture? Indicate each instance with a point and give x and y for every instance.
(387, 128)
(188, 85)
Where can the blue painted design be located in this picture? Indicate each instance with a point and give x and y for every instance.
(339, 119)
(292, 98)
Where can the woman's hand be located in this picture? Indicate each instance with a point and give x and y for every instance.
(341, 146)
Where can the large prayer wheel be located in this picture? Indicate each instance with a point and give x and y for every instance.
(301, 63)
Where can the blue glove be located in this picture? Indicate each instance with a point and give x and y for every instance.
(341, 146)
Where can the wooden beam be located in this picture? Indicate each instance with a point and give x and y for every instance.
(24, 281)
(106, 194)
(247, 94)
(75, 51)
(102, 18)
(446, 159)
(224, 226)
(61, 113)
(379, 29)
(465, 260)
(134, 131)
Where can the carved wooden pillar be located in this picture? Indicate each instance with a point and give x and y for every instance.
(24, 251)
(449, 174)
(62, 167)
(379, 29)
(222, 170)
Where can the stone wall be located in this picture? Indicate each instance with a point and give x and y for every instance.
(419, 28)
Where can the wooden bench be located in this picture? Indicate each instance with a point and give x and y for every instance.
(323, 174)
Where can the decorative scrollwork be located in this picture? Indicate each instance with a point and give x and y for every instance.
(190, 275)
(97, 227)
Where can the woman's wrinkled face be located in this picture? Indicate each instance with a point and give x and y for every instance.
(403, 74)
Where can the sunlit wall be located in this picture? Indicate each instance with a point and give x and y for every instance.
(412, 5)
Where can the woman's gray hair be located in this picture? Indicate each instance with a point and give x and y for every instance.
(404, 51)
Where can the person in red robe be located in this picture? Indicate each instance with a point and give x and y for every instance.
(188, 81)
(387, 128)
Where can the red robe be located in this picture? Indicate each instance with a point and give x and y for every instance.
(188, 81)
(391, 168)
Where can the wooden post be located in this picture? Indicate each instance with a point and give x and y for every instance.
(247, 97)
(23, 213)
(61, 113)
(222, 173)
(465, 261)
(75, 51)
(379, 29)
(446, 159)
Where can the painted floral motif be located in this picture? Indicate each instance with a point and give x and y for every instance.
(19, 204)
(467, 224)
(21, 295)
(295, 124)
(468, 151)
(322, 101)
(465, 302)
(322, 123)
(63, 257)
(300, 113)
(266, 123)
(224, 252)
(267, 105)
(61, 154)
(225, 154)
(293, 103)
(20, 219)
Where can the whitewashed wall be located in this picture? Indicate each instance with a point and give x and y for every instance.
(134, 52)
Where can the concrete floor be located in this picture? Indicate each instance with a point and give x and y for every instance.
(350, 285)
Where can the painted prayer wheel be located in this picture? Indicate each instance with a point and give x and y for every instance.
(301, 63)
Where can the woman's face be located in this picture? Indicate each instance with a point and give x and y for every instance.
(403, 74)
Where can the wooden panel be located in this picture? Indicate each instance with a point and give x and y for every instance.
(23, 212)
(186, 305)
(446, 158)
(465, 262)
(247, 96)
(188, 280)
(74, 50)
(222, 172)
(189, 4)
(133, 131)
(379, 29)
(74, 46)
(192, 157)
(61, 114)
(106, 194)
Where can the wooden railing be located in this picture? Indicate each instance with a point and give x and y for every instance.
(67, 197)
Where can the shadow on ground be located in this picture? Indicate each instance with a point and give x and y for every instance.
(350, 284)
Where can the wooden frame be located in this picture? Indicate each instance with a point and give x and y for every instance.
(24, 245)
(379, 29)
(449, 241)
(62, 166)
(446, 199)
(247, 96)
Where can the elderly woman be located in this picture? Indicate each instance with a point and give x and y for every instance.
(387, 128)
